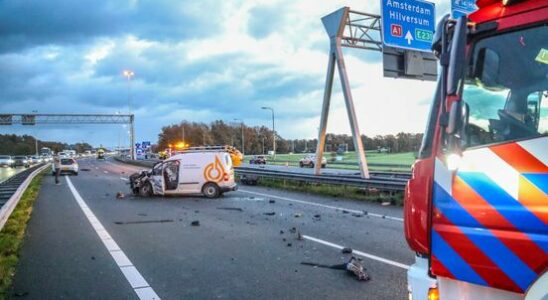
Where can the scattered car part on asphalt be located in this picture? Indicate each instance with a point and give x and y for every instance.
(353, 267)
(231, 208)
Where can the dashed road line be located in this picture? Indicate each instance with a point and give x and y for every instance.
(359, 253)
(326, 206)
(134, 278)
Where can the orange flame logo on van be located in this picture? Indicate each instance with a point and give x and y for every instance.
(214, 171)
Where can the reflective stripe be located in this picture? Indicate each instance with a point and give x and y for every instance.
(452, 261)
(505, 259)
(511, 209)
(487, 162)
(540, 181)
(537, 147)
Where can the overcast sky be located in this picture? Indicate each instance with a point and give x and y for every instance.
(194, 60)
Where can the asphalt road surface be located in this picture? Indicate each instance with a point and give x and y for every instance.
(84, 243)
(6, 172)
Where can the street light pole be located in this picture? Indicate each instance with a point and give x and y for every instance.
(273, 130)
(243, 141)
(35, 137)
(129, 74)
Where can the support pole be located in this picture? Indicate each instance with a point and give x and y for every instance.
(325, 112)
(132, 136)
(358, 144)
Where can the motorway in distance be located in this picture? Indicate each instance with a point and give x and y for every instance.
(7, 172)
(84, 241)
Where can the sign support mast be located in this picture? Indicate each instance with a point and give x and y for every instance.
(360, 37)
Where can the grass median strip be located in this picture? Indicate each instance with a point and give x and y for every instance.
(337, 191)
(13, 233)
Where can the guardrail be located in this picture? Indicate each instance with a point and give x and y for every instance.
(13, 188)
(378, 182)
(348, 163)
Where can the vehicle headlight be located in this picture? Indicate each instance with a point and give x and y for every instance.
(10, 161)
(25, 161)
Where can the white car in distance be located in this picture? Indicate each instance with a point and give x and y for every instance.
(68, 165)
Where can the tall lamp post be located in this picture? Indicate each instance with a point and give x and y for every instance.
(129, 74)
(243, 141)
(273, 130)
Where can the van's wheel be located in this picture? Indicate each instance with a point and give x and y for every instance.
(312, 165)
(301, 164)
(145, 190)
(211, 190)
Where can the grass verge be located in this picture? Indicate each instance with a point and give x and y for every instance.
(337, 191)
(11, 236)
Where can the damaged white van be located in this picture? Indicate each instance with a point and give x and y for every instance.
(199, 170)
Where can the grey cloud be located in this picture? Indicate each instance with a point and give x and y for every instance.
(26, 24)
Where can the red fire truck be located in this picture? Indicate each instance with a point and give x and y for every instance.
(476, 208)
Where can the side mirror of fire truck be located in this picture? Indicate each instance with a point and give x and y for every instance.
(457, 118)
(457, 56)
(437, 41)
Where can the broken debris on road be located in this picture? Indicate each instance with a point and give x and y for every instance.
(353, 267)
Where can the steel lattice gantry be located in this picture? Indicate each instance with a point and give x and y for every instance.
(69, 119)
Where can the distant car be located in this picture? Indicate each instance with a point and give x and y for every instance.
(6, 161)
(310, 160)
(258, 160)
(21, 161)
(37, 159)
(68, 165)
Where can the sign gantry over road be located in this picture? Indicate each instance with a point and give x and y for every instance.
(462, 7)
(408, 24)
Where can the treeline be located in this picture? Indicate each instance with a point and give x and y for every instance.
(11, 144)
(258, 139)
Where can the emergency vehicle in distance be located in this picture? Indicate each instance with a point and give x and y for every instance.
(100, 154)
(207, 170)
(476, 207)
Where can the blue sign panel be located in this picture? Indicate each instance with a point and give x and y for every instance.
(408, 24)
(462, 7)
(145, 144)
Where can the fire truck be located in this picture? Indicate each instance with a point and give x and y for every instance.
(476, 207)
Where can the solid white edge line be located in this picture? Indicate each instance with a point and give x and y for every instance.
(137, 282)
(360, 253)
(325, 206)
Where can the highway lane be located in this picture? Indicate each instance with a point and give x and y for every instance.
(6, 172)
(239, 251)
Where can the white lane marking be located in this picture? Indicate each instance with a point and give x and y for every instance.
(360, 253)
(124, 179)
(106, 172)
(326, 206)
(134, 278)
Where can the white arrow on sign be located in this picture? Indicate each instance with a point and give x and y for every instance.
(408, 37)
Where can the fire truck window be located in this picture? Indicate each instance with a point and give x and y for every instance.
(543, 113)
(506, 90)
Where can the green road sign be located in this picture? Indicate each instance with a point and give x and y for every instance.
(423, 35)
